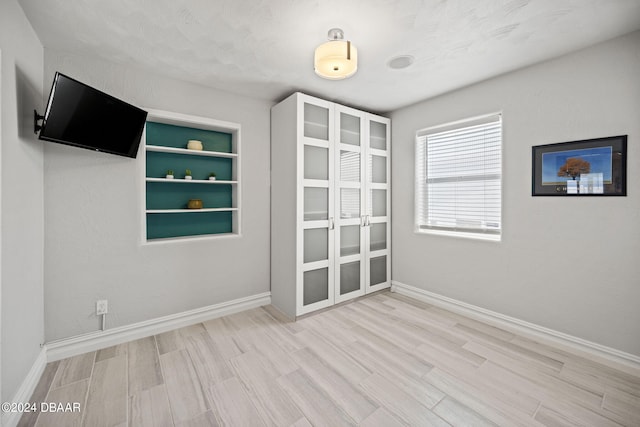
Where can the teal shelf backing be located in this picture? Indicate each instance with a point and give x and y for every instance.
(201, 167)
(178, 136)
(168, 195)
(163, 226)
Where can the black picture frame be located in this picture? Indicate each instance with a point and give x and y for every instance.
(591, 167)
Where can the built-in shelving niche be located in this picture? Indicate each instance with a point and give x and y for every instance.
(166, 215)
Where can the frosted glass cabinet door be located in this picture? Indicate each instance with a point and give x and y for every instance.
(315, 286)
(378, 169)
(349, 240)
(316, 203)
(350, 202)
(349, 129)
(316, 122)
(378, 237)
(377, 203)
(349, 277)
(377, 135)
(377, 270)
(317, 172)
(349, 166)
(316, 162)
(316, 244)
(378, 186)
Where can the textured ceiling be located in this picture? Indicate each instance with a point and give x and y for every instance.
(264, 48)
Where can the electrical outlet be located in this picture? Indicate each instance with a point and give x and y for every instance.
(101, 307)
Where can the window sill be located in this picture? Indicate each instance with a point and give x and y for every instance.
(461, 235)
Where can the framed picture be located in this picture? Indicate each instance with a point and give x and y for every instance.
(593, 167)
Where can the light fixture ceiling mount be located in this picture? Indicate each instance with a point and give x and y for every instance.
(336, 59)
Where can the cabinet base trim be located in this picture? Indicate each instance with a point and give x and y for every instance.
(67, 347)
(575, 345)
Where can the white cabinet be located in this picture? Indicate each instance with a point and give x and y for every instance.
(330, 204)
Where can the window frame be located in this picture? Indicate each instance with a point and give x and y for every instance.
(421, 196)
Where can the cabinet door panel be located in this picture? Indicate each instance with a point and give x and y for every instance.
(377, 135)
(349, 203)
(316, 204)
(350, 240)
(315, 287)
(378, 239)
(316, 244)
(316, 122)
(316, 197)
(378, 169)
(350, 245)
(378, 270)
(349, 277)
(378, 203)
(349, 166)
(349, 129)
(316, 162)
(378, 186)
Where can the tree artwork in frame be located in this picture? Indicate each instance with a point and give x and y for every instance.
(592, 167)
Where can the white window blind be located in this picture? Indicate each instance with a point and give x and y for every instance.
(458, 178)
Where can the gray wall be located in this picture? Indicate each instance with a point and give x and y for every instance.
(93, 205)
(570, 264)
(22, 232)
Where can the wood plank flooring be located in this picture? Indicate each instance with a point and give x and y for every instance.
(383, 360)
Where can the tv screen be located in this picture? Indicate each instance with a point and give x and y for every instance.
(85, 117)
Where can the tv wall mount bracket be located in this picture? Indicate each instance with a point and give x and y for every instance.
(36, 118)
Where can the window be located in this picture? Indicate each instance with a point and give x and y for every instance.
(458, 178)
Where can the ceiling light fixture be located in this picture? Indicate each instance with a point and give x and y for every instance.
(336, 59)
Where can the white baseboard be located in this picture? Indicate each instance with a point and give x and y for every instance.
(60, 349)
(26, 389)
(575, 345)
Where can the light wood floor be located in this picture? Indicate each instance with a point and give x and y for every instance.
(384, 360)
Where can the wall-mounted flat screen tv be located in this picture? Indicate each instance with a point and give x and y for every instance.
(85, 117)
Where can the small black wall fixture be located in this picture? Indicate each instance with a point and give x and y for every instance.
(36, 118)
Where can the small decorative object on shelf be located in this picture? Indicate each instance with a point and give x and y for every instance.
(194, 204)
(212, 176)
(169, 174)
(194, 144)
(187, 174)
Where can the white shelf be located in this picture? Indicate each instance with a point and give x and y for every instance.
(194, 238)
(350, 132)
(190, 181)
(163, 211)
(316, 124)
(205, 153)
